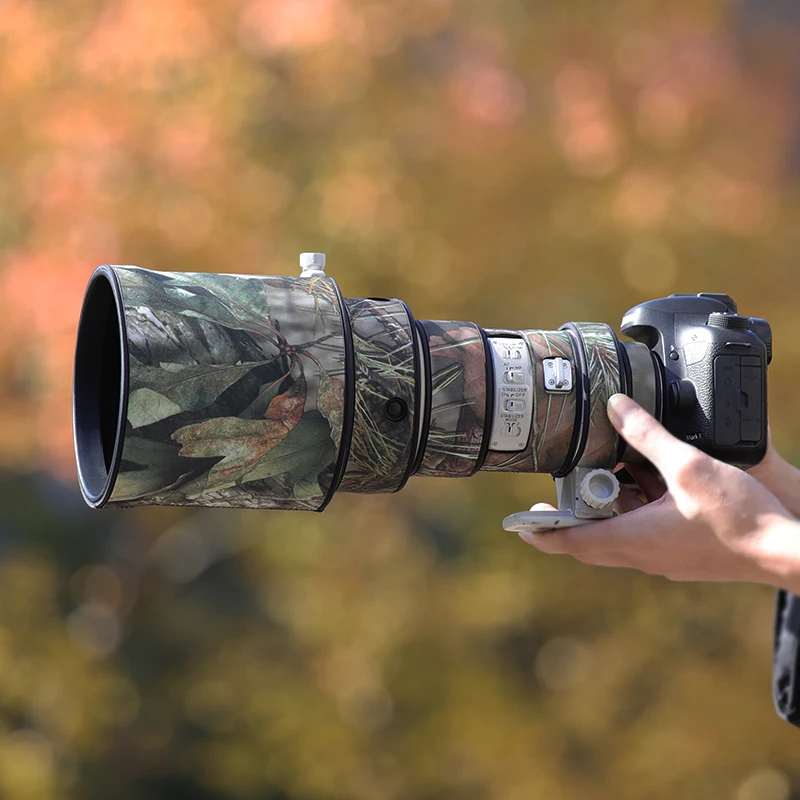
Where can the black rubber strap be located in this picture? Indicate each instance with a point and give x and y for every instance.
(489, 412)
(425, 363)
(349, 411)
(419, 404)
(786, 657)
(580, 383)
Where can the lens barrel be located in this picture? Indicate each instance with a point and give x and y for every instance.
(274, 392)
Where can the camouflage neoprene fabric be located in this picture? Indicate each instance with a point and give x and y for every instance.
(458, 399)
(237, 393)
(381, 449)
(602, 362)
(236, 390)
(554, 414)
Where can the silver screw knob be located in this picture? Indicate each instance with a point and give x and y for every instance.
(599, 489)
(312, 265)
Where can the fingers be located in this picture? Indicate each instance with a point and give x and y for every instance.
(553, 545)
(620, 534)
(543, 507)
(572, 541)
(619, 560)
(652, 485)
(648, 436)
(626, 501)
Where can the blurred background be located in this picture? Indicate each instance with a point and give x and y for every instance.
(515, 163)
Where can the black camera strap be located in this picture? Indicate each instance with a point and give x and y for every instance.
(786, 657)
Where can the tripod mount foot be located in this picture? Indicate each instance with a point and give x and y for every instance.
(584, 495)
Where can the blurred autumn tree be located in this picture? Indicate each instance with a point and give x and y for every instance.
(515, 163)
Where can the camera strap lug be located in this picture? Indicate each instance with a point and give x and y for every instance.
(557, 375)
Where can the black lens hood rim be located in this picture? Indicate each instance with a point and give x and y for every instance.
(86, 446)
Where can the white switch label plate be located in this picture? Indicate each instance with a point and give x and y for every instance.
(513, 394)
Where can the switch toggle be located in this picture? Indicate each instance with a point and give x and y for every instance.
(511, 429)
(514, 406)
(514, 376)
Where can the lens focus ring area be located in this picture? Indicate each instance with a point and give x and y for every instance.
(99, 387)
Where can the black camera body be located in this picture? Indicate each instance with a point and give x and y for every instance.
(713, 364)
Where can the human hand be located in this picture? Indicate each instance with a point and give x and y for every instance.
(714, 522)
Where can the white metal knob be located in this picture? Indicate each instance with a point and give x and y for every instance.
(599, 488)
(312, 265)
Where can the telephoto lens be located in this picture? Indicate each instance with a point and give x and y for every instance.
(249, 391)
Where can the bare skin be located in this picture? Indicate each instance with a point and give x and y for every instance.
(707, 520)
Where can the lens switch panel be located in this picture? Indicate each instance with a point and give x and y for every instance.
(513, 394)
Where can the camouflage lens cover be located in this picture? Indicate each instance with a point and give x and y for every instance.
(602, 361)
(236, 390)
(236, 393)
(553, 414)
(383, 347)
(458, 399)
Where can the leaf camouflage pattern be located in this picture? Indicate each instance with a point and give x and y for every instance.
(384, 368)
(458, 399)
(554, 414)
(243, 443)
(602, 362)
(236, 390)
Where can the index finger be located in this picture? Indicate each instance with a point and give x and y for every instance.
(647, 435)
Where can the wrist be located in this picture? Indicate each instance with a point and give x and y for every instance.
(780, 478)
(777, 559)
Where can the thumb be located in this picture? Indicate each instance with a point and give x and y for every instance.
(644, 433)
